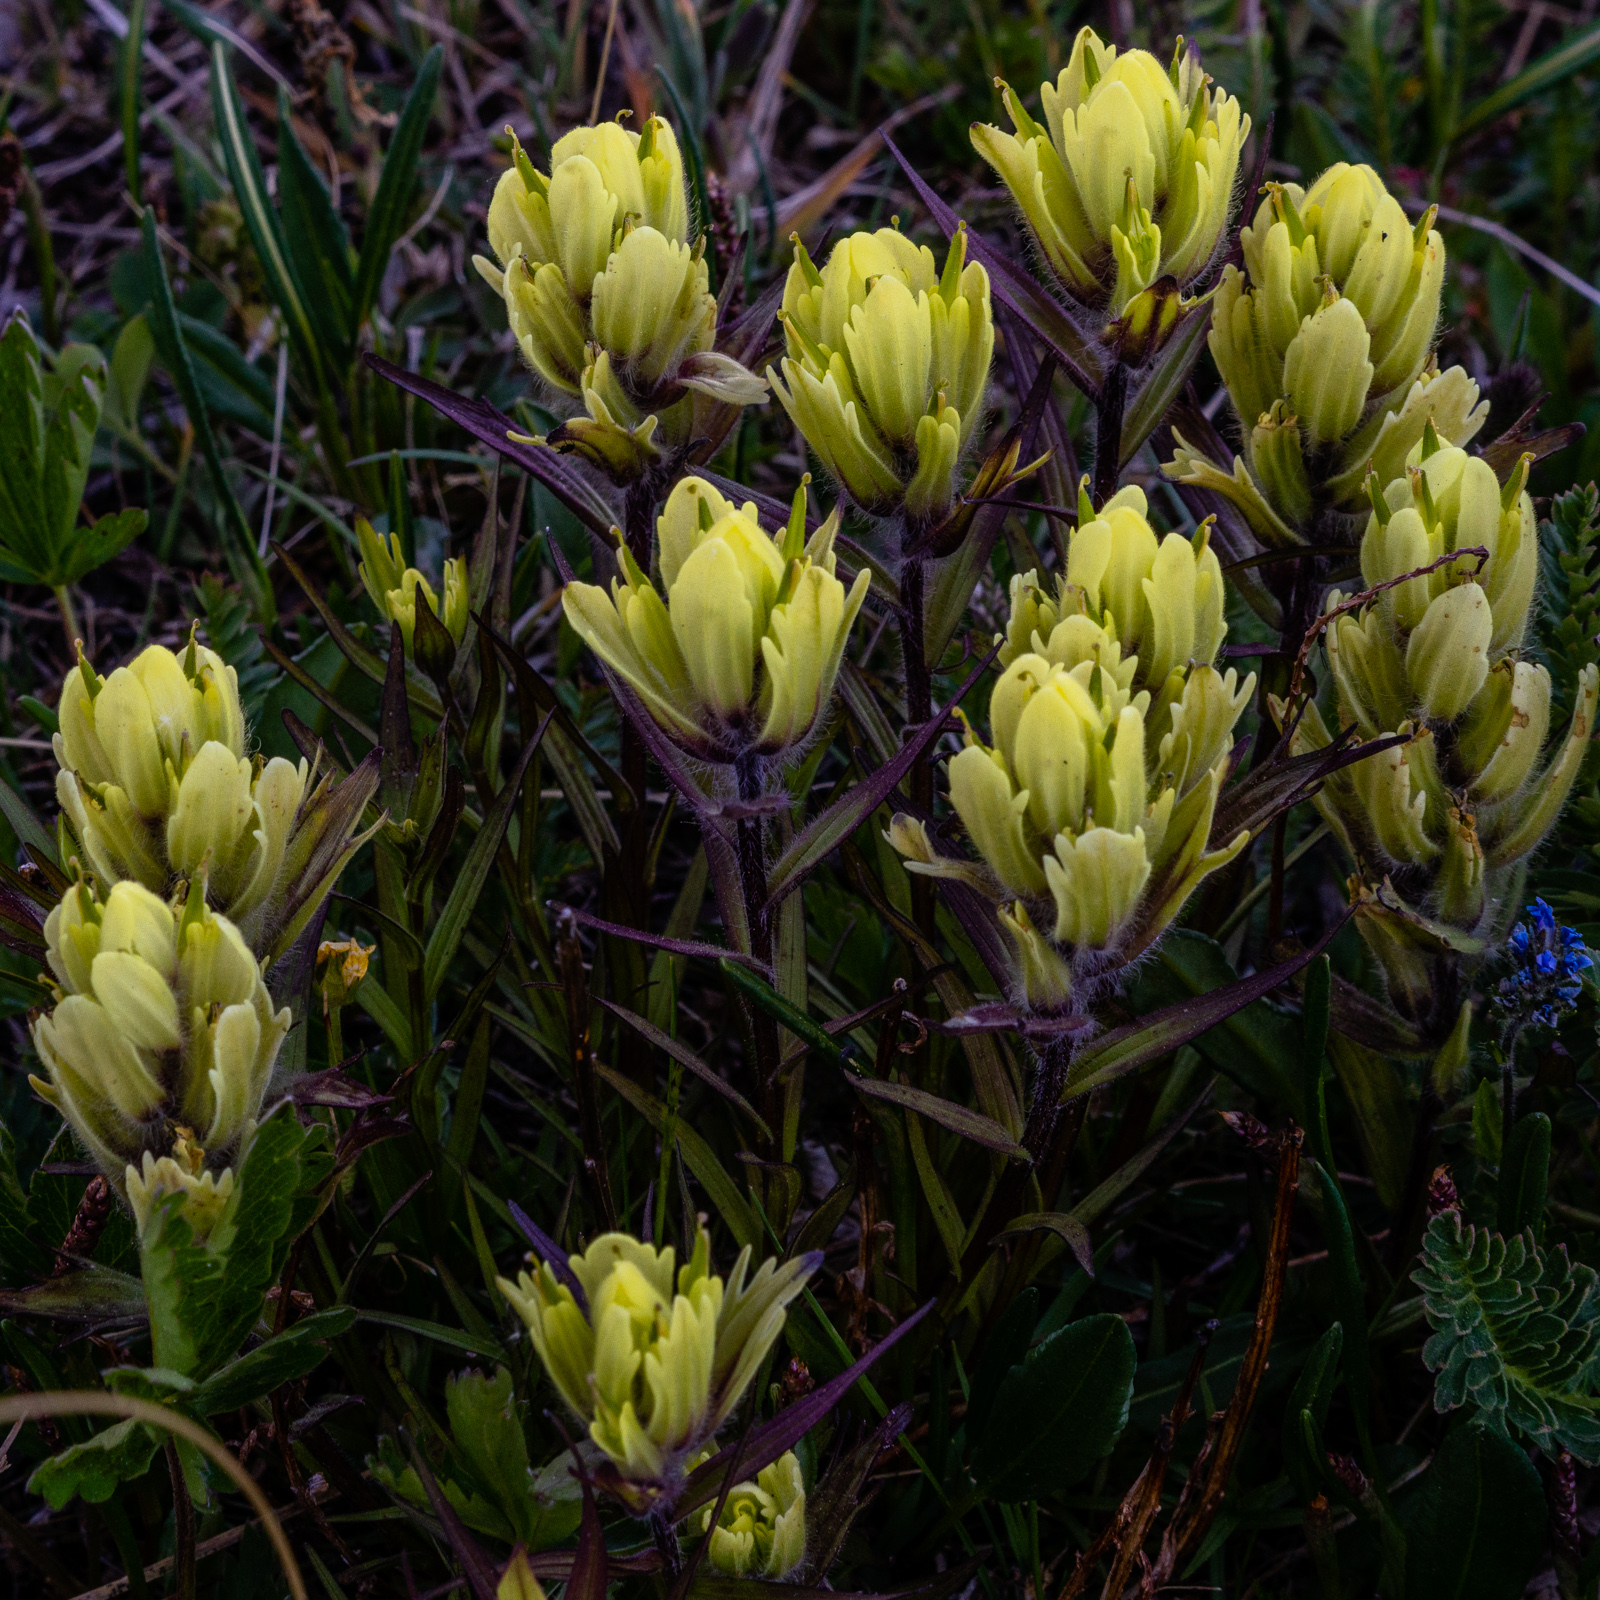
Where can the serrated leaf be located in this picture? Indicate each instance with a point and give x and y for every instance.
(204, 1299)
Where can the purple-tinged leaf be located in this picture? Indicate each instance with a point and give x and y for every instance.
(587, 1580)
(549, 1252)
(1163, 381)
(491, 426)
(1358, 1016)
(1049, 321)
(765, 1444)
(1063, 1225)
(833, 1505)
(959, 1119)
(996, 1016)
(557, 1564)
(1126, 1049)
(482, 1573)
(660, 941)
(817, 840)
(1284, 781)
(680, 1052)
(333, 1087)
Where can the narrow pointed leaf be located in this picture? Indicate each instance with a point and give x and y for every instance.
(960, 1119)
(1137, 1044)
(685, 1057)
(493, 427)
(468, 885)
(387, 216)
(765, 1444)
(814, 843)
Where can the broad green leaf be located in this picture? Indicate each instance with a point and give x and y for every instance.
(279, 1360)
(387, 216)
(1059, 1410)
(1477, 1527)
(95, 1469)
(1005, 1346)
(1524, 1177)
(205, 1298)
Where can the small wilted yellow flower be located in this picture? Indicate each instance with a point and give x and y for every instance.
(742, 654)
(1438, 657)
(654, 1360)
(1092, 811)
(394, 587)
(157, 788)
(606, 293)
(1324, 340)
(1131, 179)
(161, 1018)
(762, 1530)
(205, 1194)
(887, 367)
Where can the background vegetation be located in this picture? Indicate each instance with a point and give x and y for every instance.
(133, 176)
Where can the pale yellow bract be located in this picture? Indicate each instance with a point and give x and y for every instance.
(656, 1358)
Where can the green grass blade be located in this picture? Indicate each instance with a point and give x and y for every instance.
(385, 219)
(128, 93)
(1545, 73)
(238, 544)
(260, 219)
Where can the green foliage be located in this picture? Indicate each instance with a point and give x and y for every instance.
(1058, 1411)
(230, 631)
(47, 430)
(1516, 1334)
(1570, 560)
(95, 1468)
(1478, 1524)
(204, 1298)
(485, 1474)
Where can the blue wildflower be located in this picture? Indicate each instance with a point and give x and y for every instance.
(1544, 969)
